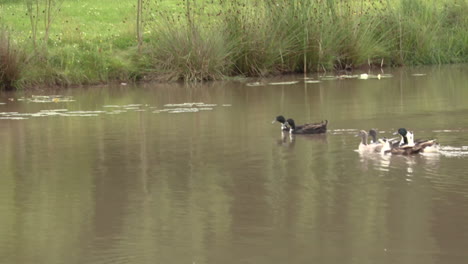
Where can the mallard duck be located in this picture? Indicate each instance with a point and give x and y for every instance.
(390, 148)
(313, 128)
(280, 119)
(407, 139)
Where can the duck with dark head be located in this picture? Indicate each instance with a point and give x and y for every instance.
(407, 139)
(280, 119)
(312, 128)
(407, 145)
(374, 146)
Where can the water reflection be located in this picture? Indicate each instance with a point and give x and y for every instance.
(224, 186)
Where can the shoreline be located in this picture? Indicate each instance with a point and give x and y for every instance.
(222, 40)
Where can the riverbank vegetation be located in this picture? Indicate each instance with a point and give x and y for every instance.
(65, 42)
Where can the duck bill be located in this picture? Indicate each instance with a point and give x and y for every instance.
(273, 121)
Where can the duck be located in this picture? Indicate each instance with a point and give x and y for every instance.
(280, 119)
(312, 128)
(404, 137)
(374, 146)
(390, 147)
(407, 138)
(363, 146)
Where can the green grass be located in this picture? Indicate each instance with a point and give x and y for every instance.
(95, 41)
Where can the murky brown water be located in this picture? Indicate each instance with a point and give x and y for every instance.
(129, 183)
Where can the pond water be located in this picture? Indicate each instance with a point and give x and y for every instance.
(174, 173)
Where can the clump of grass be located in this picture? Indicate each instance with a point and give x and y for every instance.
(428, 32)
(189, 53)
(11, 61)
(81, 64)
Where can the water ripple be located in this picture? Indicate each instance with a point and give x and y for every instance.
(451, 151)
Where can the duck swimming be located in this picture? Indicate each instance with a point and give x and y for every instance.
(374, 146)
(407, 145)
(407, 139)
(282, 121)
(363, 146)
(390, 147)
(312, 128)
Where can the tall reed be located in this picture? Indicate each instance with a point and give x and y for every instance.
(11, 61)
(183, 49)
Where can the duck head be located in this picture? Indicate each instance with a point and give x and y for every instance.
(363, 135)
(403, 133)
(373, 135)
(282, 120)
(279, 119)
(291, 123)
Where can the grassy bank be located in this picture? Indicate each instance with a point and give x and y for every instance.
(86, 42)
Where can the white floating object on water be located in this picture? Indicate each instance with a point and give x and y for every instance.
(190, 105)
(283, 83)
(2, 103)
(13, 118)
(418, 74)
(50, 99)
(179, 105)
(346, 129)
(113, 106)
(328, 78)
(115, 112)
(346, 76)
(55, 110)
(47, 113)
(183, 110)
(123, 83)
(255, 84)
(83, 115)
(227, 104)
(85, 112)
(8, 113)
(312, 81)
(383, 75)
(364, 76)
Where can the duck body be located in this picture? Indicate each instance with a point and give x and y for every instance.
(363, 146)
(407, 145)
(427, 145)
(390, 148)
(312, 128)
(374, 146)
(375, 142)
